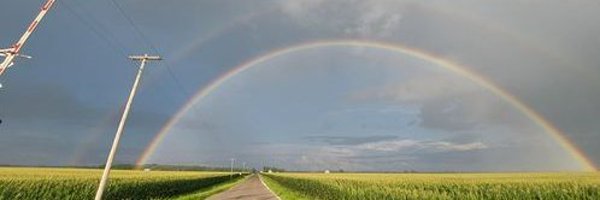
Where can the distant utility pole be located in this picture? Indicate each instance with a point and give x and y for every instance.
(13, 52)
(232, 162)
(144, 58)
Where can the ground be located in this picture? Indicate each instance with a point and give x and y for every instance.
(251, 189)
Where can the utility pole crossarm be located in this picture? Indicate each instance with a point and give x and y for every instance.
(145, 57)
(15, 50)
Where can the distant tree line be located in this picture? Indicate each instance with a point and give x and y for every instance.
(273, 169)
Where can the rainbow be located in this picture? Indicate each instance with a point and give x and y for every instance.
(458, 69)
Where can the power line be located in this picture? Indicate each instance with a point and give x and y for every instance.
(134, 26)
(152, 47)
(96, 27)
(145, 39)
(114, 45)
(13, 52)
(103, 33)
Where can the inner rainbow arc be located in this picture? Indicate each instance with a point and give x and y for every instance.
(550, 129)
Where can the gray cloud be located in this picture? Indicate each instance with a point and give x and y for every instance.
(447, 102)
(351, 18)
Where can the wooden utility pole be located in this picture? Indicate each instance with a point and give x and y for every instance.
(111, 155)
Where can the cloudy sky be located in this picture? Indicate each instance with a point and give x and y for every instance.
(332, 107)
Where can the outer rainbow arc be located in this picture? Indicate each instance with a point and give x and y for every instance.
(555, 134)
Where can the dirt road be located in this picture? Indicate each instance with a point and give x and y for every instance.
(250, 189)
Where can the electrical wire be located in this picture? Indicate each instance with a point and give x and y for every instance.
(108, 39)
(96, 27)
(152, 47)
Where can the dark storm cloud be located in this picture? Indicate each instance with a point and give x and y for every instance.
(44, 102)
(43, 122)
(49, 102)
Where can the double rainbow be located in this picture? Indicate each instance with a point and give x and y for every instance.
(551, 130)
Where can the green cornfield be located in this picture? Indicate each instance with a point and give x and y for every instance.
(51, 183)
(436, 186)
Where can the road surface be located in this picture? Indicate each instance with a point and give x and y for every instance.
(251, 189)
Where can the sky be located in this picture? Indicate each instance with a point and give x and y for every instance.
(331, 107)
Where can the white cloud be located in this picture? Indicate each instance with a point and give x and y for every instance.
(448, 146)
(416, 145)
(387, 153)
(394, 145)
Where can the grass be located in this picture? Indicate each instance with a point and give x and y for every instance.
(436, 186)
(51, 183)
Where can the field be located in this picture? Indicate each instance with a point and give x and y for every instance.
(436, 186)
(51, 183)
